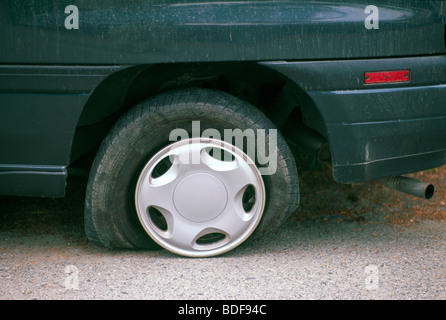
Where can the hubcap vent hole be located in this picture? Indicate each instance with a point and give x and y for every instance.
(220, 154)
(211, 238)
(162, 167)
(249, 198)
(157, 218)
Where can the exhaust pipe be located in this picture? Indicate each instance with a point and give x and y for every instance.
(410, 186)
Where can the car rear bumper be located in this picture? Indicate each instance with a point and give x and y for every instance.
(378, 130)
(394, 131)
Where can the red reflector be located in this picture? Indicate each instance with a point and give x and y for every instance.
(387, 76)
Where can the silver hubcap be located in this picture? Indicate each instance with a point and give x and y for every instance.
(200, 197)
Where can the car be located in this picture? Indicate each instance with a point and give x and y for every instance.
(188, 108)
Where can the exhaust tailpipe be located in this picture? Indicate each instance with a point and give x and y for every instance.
(410, 186)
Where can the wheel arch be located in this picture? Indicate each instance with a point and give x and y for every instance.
(268, 90)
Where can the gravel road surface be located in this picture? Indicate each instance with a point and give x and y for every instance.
(344, 242)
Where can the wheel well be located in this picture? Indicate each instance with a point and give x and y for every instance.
(246, 80)
(264, 88)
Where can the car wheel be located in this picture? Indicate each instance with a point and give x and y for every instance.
(166, 176)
